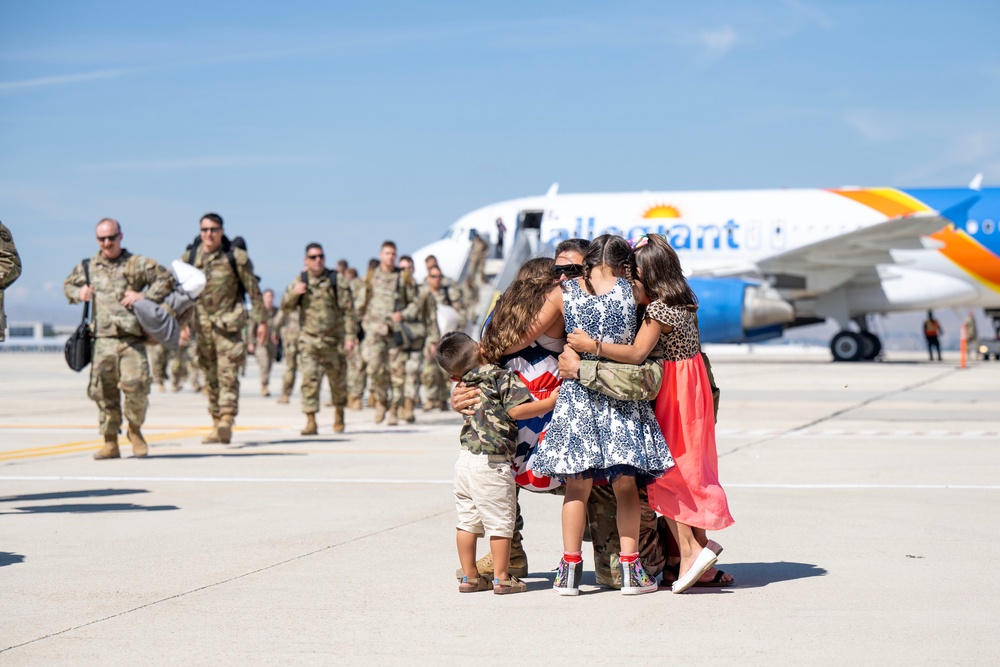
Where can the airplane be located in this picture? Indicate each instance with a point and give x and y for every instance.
(764, 261)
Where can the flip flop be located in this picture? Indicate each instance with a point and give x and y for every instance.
(715, 582)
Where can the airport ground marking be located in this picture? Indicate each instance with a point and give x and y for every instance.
(392, 481)
(85, 446)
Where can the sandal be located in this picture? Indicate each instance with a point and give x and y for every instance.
(508, 586)
(474, 585)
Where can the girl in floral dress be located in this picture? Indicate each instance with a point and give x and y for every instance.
(690, 497)
(595, 437)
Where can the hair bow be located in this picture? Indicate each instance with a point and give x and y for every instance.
(638, 241)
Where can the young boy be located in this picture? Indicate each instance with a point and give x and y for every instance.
(484, 484)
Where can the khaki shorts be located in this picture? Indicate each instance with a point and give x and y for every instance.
(485, 494)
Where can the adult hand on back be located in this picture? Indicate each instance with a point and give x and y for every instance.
(464, 400)
(569, 364)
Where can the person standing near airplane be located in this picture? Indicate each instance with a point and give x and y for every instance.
(971, 333)
(323, 303)
(221, 319)
(390, 299)
(932, 329)
(10, 270)
(435, 380)
(357, 369)
(501, 233)
(477, 258)
(267, 351)
(416, 359)
(113, 280)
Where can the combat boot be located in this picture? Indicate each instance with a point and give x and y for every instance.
(310, 428)
(110, 448)
(226, 429)
(264, 391)
(213, 435)
(338, 419)
(162, 387)
(408, 415)
(354, 402)
(518, 566)
(393, 416)
(328, 403)
(140, 449)
(379, 412)
(283, 399)
(431, 405)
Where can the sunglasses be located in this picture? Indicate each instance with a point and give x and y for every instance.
(568, 270)
(109, 239)
(433, 275)
(315, 256)
(210, 230)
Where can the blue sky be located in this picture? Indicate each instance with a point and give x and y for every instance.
(349, 123)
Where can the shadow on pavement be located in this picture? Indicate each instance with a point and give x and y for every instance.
(8, 558)
(91, 509)
(756, 575)
(305, 440)
(62, 495)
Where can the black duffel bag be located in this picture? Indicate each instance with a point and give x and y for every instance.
(79, 348)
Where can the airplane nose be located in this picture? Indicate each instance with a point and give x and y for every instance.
(763, 306)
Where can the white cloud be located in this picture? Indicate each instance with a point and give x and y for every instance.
(717, 42)
(63, 79)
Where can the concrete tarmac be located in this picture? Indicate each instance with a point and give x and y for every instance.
(867, 500)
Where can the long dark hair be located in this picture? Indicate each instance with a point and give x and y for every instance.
(660, 272)
(611, 251)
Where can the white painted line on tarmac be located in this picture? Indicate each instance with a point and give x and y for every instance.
(343, 480)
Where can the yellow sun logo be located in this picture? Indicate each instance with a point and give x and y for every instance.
(662, 211)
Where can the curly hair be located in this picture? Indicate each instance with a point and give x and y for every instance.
(518, 307)
(611, 251)
(660, 273)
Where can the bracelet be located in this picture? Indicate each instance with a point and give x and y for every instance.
(598, 348)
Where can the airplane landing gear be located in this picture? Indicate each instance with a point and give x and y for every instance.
(851, 346)
(847, 346)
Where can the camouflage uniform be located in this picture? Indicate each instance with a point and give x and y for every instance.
(119, 359)
(266, 353)
(437, 385)
(10, 269)
(416, 359)
(491, 430)
(477, 260)
(630, 383)
(184, 362)
(386, 292)
(158, 363)
(289, 333)
(357, 374)
(220, 321)
(327, 320)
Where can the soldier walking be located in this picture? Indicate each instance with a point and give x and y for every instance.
(390, 298)
(267, 351)
(437, 385)
(324, 306)
(10, 270)
(357, 369)
(477, 258)
(158, 365)
(183, 363)
(220, 320)
(288, 328)
(424, 356)
(113, 280)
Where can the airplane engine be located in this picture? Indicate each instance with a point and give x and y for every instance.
(734, 310)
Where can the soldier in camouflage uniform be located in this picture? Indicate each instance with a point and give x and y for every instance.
(184, 363)
(288, 328)
(390, 298)
(325, 310)
(266, 352)
(10, 270)
(220, 320)
(357, 369)
(437, 386)
(477, 258)
(158, 365)
(416, 360)
(117, 280)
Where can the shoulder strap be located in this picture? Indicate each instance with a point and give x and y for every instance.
(86, 270)
(192, 249)
(86, 304)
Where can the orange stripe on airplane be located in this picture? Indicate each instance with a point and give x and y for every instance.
(890, 203)
(965, 251)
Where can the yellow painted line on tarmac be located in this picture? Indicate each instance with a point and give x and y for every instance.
(146, 427)
(87, 445)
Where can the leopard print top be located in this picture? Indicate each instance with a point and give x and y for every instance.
(681, 343)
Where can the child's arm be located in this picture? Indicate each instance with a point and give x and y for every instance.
(635, 353)
(534, 408)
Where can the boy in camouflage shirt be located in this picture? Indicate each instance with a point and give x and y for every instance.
(485, 491)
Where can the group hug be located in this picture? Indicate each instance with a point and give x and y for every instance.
(589, 381)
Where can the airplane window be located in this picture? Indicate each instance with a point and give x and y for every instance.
(988, 226)
(972, 226)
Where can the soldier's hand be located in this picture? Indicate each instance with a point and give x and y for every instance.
(464, 400)
(262, 334)
(396, 317)
(349, 345)
(569, 364)
(131, 297)
(300, 288)
(185, 336)
(86, 293)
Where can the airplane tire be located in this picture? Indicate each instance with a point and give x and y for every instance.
(847, 346)
(871, 346)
